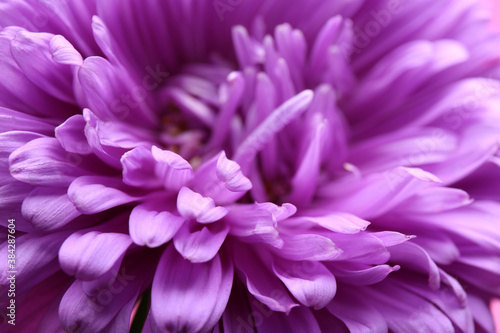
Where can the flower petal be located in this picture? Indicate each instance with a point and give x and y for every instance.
(88, 255)
(311, 283)
(31, 52)
(308, 247)
(71, 135)
(44, 162)
(200, 243)
(278, 119)
(230, 173)
(192, 205)
(93, 194)
(185, 296)
(171, 169)
(152, 225)
(63, 52)
(261, 283)
(48, 208)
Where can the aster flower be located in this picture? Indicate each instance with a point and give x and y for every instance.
(250, 166)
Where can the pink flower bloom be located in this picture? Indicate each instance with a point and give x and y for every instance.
(250, 166)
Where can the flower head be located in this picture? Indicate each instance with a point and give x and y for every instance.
(241, 166)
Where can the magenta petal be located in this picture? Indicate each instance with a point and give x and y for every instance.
(11, 120)
(63, 52)
(280, 117)
(31, 52)
(230, 173)
(414, 257)
(89, 255)
(172, 170)
(200, 243)
(36, 260)
(152, 225)
(379, 192)
(261, 282)
(214, 178)
(44, 162)
(397, 305)
(94, 314)
(364, 275)
(338, 222)
(308, 247)
(48, 208)
(71, 135)
(93, 194)
(138, 168)
(192, 205)
(304, 182)
(311, 283)
(186, 296)
(300, 319)
(255, 223)
(436, 200)
(357, 312)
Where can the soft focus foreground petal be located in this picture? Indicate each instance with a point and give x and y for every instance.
(88, 255)
(186, 296)
(311, 283)
(152, 224)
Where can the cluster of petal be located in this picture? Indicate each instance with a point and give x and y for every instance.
(229, 172)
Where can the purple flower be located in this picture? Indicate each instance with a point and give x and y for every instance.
(249, 165)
